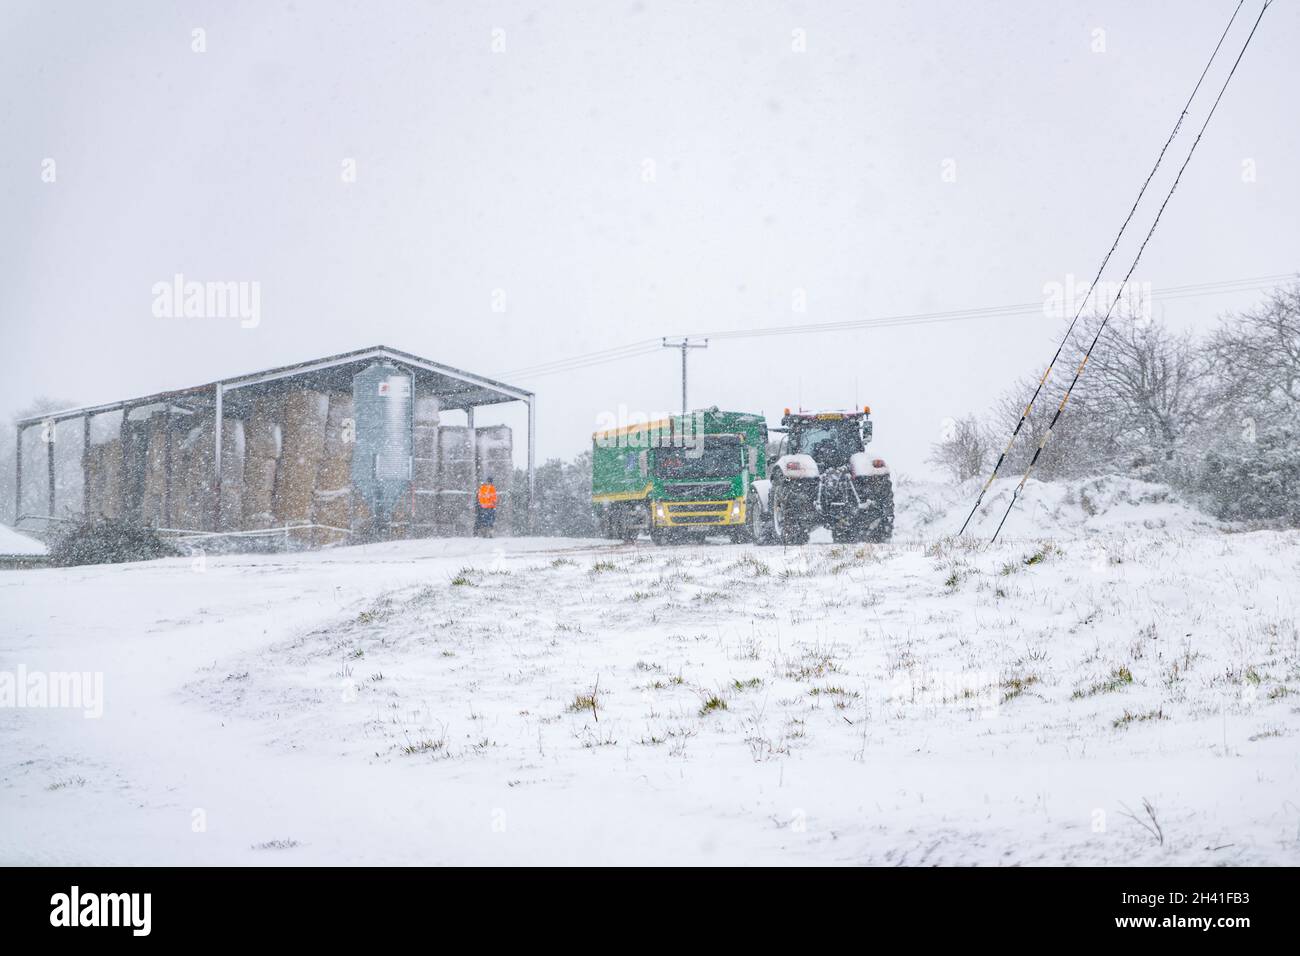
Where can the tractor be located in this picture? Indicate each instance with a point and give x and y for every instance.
(821, 475)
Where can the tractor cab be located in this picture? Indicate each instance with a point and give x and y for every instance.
(831, 439)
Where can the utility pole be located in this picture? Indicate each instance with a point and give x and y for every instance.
(685, 344)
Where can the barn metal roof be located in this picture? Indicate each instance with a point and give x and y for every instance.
(454, 387)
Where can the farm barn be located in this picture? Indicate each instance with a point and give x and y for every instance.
(355, 446)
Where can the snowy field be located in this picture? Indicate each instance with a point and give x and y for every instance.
(587, 702)
(14, 543)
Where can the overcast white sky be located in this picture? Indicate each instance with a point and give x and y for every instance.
(524, 170)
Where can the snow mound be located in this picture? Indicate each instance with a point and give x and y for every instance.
(1107, 504)
(14, 542)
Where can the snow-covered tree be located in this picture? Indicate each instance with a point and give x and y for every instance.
(561, 501)
(1250, 466)
(1144, 390)
(1258, 480)
(965, 450)
(1258, 356)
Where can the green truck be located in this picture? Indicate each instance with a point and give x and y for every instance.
(680, 477)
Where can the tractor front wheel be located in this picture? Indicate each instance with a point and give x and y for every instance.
(757, 529)
(789, 524)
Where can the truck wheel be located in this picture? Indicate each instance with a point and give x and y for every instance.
(785, 528)
(751, 531)
(629, 529)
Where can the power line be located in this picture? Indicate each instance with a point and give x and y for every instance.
(1021, 308)
(1029, 407)
(612, 354)
(1150, 232)
(647, 346)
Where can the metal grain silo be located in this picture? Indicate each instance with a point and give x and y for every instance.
(384, 398)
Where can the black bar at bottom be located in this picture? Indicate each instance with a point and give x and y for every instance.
(332, 905)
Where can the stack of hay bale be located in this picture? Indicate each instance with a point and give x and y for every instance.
(103, 468)
(332, 497)
(154, 500)
(232, 473)
(424, 468)
(261, 455)
(165, 472)
(454, 507)
(301, 448)
(289, 462)
(192, 489)
(133, 438)
(193, 495)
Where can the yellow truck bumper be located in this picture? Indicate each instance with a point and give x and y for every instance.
(689, 514)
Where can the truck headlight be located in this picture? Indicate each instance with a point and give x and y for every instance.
(735, 508)
(660, 511)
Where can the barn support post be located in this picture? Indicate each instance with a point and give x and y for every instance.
(532, 442)
(48, 433)
(473, 456)
(167, 469)
(18, 473)
(124, 478)
(219, 414)
(85, 467)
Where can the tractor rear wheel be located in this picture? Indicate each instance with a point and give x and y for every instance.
(876, 525)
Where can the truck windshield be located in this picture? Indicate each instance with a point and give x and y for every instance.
(830, 443)
(715, 460)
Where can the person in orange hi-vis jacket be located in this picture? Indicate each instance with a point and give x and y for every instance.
(486, 516)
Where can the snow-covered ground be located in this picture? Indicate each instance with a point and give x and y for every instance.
(562, 701)
(1108, 504)
(16, 543)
